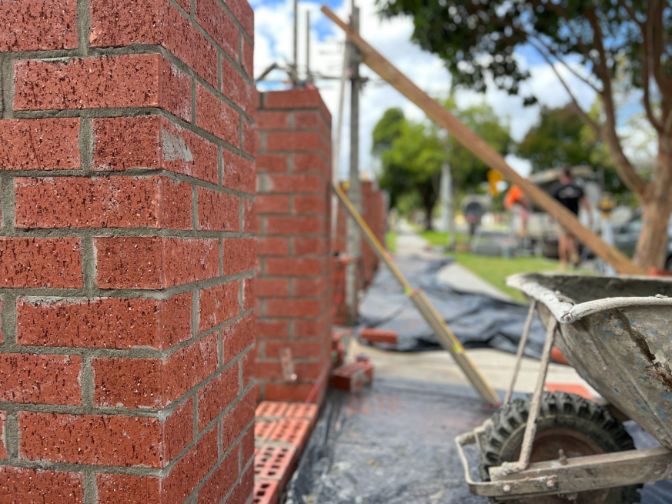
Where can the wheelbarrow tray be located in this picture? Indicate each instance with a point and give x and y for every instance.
(617, 334)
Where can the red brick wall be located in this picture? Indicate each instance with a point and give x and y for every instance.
(293, 212)
(126, 183)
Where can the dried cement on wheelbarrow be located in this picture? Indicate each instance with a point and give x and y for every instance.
(393, 444)
(477, 320)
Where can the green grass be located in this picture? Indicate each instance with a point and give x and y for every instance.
(391, 241)
(493, 269)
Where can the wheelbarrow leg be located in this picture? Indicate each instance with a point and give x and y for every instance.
(521, 349)
(531, 425)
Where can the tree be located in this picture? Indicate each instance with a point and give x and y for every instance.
(561, 138)
(599, 42)
(468, 171)
(412, 163)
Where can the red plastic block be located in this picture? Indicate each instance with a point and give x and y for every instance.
(352, 377)
(371, 335)
(266, 491)
(282, 409)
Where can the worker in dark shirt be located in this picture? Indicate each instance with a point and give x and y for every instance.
(572, 197)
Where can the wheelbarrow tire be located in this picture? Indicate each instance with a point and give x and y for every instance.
(582, 427)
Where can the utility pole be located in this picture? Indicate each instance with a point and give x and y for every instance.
(309, 77)
(354, 245)
(295, 46)
(447, 220)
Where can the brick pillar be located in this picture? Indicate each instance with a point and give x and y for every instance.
(293, 210)
(127, 181)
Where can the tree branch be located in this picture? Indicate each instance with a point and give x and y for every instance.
(624, 167)
(584, 115)
(648, 63)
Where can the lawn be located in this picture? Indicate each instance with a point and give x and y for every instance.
(391, 241)
(495, 269)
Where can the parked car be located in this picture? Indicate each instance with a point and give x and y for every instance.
(627, 235)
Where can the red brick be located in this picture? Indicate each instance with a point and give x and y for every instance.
(247, 57)
(32, 25)
(239, 255)
(218, 304)
(219, 25)
(179, 430)
(152, 142)
(291, 184)
(239, 173)
(132, 383)
(272, 245)
(3, 447)
(127, 489)
(221, 481)
(294, 99)
(238, 418)
(238, 337)
(250, 224)
(292, 266)
(272, 287)
(289, 391)
(272, 163)
(190, 366)
(272, 203)
(310, 328)
(312, 162)
(299, 349)
(39, 144)
(244, 13)
(191, 469)
(217, 117)
(310, 203)
(90, 439)
(119, 24)
(216, 396)
(40, 262)
(104, 322)
(152, 383)
(235, 87)
(274, 328)
(293, 140)
(138, 80)
(2, 336)
(32, 486)
(291, 308)
(102, 202)
(272, 119)
(35, 379)
(250, 137)
(244, 489)
(154, 263)
(310, 287)
(218, 211)
(248, 294)
(293, 225)
(308, 120)
(312, 245)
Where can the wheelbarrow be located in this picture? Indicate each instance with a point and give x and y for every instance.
(558, 447)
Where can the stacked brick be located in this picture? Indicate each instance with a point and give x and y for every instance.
(293, 212)
(374, 212)
(127, 254)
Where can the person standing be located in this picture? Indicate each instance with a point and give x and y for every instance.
(570, 195)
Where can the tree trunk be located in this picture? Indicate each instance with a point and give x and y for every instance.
(652, 246)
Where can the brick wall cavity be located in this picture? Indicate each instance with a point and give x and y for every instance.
(126, 184)
(293, 212)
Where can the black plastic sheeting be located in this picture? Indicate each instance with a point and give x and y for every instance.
(394, 444)
(478, 320)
